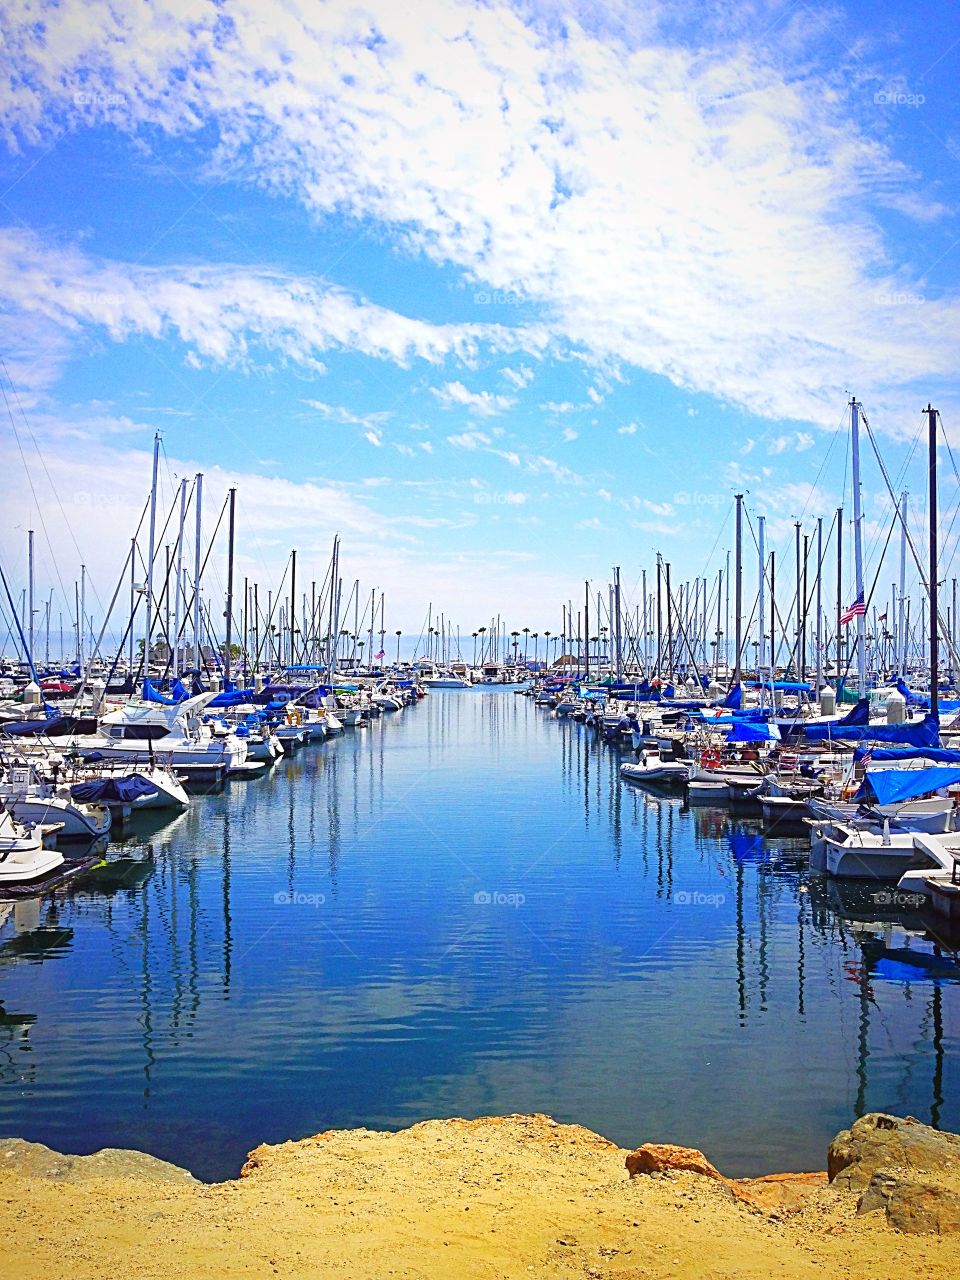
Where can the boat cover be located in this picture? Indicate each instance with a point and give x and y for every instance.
(942, 755)
(113, 790)
(745, 731)
(895, 786)
(918, 733)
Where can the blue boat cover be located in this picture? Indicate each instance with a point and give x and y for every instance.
(113, 790)
(918, 733)
(734, 699)
(939, 754)
(152, 694)
(895, 786)
(25, 728)
(744, 731)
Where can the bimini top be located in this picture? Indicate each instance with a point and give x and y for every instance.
(896, 786)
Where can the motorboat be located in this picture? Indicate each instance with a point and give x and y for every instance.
(653, 769)
(32, 800)
(145, 732)
(24, 857)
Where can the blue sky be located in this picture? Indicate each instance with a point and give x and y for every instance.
(504, 294)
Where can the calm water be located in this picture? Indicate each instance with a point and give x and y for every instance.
(462, 911)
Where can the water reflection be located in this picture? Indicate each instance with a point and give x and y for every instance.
(326, 946)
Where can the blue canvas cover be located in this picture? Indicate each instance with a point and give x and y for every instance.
(113, 790)
(896, 786)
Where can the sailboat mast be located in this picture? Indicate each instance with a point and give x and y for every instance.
(148, 621)
(858, 549)
(229, 627)
(292, 620)
(934, 557)
(819, 604)
(901, 624)
(198, 494)
(179, 580)
(738, 589)
(762, 554)
(30, 609)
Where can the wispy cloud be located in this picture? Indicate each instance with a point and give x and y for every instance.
(484, 404)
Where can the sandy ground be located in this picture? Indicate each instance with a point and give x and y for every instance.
(518, 1196)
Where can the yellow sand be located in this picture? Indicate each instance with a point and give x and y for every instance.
(519, 1196)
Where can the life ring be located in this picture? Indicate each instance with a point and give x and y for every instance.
(710, 759)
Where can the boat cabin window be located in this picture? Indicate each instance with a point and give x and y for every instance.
(136, 732)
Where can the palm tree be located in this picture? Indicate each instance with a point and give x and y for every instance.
(546, 645)
(481, 632)
(399, 634)
(536, 637)
(515, 635)
(475, 648)
(526, 634)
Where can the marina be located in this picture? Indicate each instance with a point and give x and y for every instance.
(359, 937)
(479, 640)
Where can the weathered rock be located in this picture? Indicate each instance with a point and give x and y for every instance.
(38, 1161)
(880, 1141)
(916, 1208)
(662, 1157)
(777, 1193)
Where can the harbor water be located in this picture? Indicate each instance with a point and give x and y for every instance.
(461, 910)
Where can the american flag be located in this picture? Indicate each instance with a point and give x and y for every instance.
(856, 610)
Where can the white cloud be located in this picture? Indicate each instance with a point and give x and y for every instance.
(794, 441)
(375, 437)
(519, 378)
(221, 313)
(560, 406)
(337, 413)
(629, 430)
(469, 440)
(485, 404)
(569, 434)
(590, 523)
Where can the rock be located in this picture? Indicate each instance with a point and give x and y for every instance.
(880, 1141)
(662, 1157)
(37, 1161)
(915, 1208)
(777, 1193)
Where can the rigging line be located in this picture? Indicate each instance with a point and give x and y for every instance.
(53, 488)
(43, 525)
(956, 510)
(834, 437)
(924, 580)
